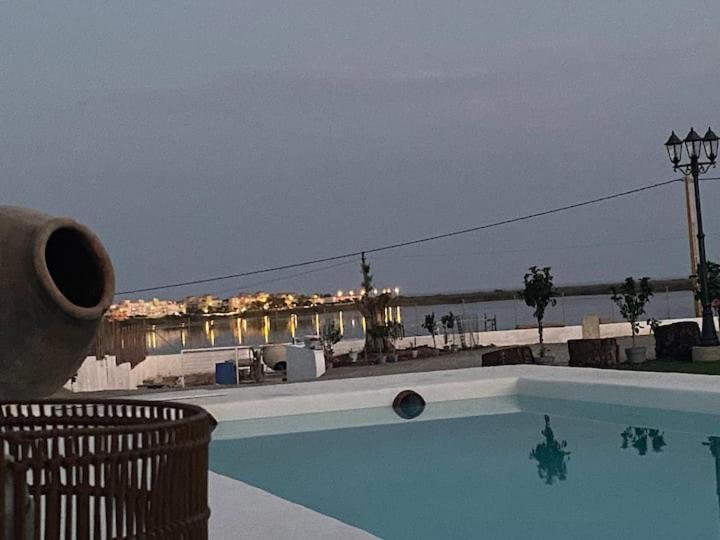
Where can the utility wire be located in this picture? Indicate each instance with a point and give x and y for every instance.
(531, 249)
(407, 243)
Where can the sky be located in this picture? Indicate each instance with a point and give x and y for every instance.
(210, 138)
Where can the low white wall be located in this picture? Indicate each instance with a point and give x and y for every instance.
(102, 374)
(106, 374)
(156, 367)
(503, 338)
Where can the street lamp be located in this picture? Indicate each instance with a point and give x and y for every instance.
(695, 146)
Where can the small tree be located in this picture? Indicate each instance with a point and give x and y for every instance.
(631, 299)
(372, 306)
(539, 293)
(448, 323)
(429, 325)
(329, 336)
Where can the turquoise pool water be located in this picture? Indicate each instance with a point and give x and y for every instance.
(513, 468)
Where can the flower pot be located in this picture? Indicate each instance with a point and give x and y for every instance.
(545, 360)
(414, 353)
(56, 282)
(636, 355)
(392, 358)
(353, 356)
(382, 359)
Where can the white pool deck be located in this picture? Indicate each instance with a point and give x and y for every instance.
(242, 511)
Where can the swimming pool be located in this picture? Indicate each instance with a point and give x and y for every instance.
(501, 467)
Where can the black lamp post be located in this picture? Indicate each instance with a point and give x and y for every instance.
(695, 146)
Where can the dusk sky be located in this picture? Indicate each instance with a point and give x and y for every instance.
(206, 138)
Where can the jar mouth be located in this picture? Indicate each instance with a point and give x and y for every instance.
(74, 268)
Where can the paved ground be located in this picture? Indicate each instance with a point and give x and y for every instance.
(467, 359)
(459, 360)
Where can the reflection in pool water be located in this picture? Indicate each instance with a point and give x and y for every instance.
(551, 456)
(638, 438)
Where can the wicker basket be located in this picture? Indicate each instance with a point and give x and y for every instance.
(81, 469)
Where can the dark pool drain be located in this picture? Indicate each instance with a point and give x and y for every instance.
(408, 404)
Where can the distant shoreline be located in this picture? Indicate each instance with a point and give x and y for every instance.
(468, 297)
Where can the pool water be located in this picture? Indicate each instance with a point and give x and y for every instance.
(514, 468)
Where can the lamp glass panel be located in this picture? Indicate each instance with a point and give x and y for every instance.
(694, 148)
(674, 152)
(711, 148)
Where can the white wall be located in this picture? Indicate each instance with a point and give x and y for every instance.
(525, 336)
(101, 374)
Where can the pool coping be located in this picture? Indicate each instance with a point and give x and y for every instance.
(680, 392)
(688, 393)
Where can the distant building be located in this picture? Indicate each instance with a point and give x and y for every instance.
(202, 304)
(152, 309)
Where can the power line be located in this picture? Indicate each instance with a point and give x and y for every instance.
(407, 243)
(532, 249)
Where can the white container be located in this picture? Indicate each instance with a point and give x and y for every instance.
(304, 364)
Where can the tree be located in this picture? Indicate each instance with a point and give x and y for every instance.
(539, 293)
(430, 325)
(631, 299)
(372, 307)
(448, 323)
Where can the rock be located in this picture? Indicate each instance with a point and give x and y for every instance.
(675, 341)
(508, 356)
(593, 352)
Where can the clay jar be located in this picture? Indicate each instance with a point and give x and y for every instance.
(56, 282)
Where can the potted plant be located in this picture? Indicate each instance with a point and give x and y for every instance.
(353, 355)
(430, 325)
(539, 293)
(395, 332)
(631, 299)
(448, 323)
(380, 333)
(329, 336)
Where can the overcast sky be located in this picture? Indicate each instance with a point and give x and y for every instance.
(205, 138)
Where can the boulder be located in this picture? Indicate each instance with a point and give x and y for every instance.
(508, 356)
(675, 341)
(593, 352)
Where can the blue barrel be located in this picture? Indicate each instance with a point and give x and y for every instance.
(225, 373)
